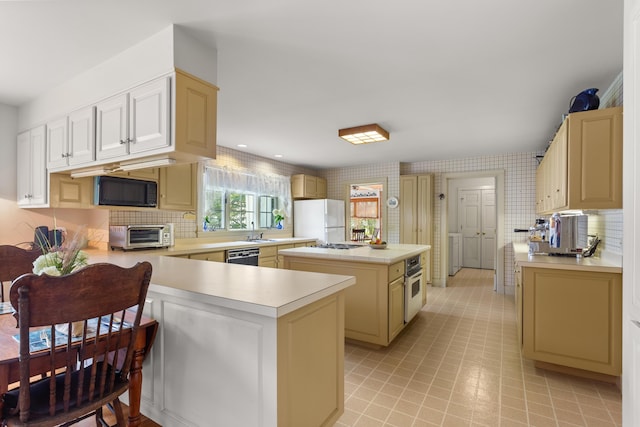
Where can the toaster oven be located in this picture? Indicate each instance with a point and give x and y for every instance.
(128, 237)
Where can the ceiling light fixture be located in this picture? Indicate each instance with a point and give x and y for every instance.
(364, 134)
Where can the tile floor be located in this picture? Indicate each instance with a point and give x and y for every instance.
(458, 364)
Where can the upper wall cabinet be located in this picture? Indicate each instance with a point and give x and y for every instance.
(134, 122)
(171, 117)
(71, 140)
(32, 172)
(195, 115)
(308, 187)
(582, 168)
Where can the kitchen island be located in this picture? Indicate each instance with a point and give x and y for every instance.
(375, 306)
(241, 345)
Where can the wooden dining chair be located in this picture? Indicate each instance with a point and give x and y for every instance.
(15, 261)
(89, 372)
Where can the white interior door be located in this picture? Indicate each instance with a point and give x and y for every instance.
(469, 220)
(477, 218)
(488, 221)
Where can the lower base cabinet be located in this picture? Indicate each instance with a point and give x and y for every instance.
(374, 306)
(573, 318)
(215, 366)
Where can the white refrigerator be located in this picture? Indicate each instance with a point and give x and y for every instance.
(322, 219)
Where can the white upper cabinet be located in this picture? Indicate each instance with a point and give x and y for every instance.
(32, 171)
(134, 122)
(82, 136)
(57, 143)
(71, 140)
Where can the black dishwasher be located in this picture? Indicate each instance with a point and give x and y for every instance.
(245, 256)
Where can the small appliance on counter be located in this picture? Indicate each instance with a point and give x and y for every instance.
(127, 237)
(567, 235)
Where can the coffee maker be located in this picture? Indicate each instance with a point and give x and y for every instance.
(567, 235)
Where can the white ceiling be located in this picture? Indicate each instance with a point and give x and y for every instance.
(447, 79)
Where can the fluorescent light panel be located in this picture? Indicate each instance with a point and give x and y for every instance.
(91, 172)
(149, 164)
(364, 134)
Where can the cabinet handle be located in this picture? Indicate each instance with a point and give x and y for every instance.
(130, 140)
(123, 141)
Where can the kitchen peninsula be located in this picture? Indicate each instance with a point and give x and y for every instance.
(241, 345)
(375, 306)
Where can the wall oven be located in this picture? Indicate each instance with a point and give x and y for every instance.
(412, 287)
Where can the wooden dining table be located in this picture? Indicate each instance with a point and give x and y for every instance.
(10, 365)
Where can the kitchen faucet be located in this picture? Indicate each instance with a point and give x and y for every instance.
(253, 233)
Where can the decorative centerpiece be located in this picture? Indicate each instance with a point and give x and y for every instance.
(60, 261)
(278, 217)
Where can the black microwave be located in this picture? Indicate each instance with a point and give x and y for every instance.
(115, 191)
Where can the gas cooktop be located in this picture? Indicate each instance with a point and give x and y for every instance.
(338, 246)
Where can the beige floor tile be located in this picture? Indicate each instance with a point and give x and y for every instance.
(459, 364)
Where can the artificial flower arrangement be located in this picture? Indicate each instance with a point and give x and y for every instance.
(59, 260)
(278, 216)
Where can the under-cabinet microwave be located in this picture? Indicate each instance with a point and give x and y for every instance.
(115, 191)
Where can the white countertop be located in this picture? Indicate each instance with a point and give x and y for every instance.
(190, 247)
(264, 291)
(602, 265)
(391, 254)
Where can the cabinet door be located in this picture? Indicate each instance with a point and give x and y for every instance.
(112, 138)
(82, 136)
(195, 115)
(595, 154)
(39, 177)
(573, 318)
(321, 188)
(396, 307)
(518, 297)
(218, 256)
(310, 186)
(558, 182)
(57, 143)
(178, 187)
(148, 117)
(67, 192)
(24, 168)
(408, 209)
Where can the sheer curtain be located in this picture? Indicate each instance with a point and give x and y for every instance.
(243, 181)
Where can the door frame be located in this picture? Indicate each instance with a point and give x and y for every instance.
(498, 175)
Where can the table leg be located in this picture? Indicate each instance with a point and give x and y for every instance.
(135, 380)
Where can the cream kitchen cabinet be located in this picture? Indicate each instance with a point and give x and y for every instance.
(517, 273)
(396, 299)
(71, 140)
(134, 122)
(572, 318)
(67, 192)
(582, 168)
(308, 187)
(268, 256)
(215, 256)
(32, 177)
(416, 213)
(177, 187)
(372, 305)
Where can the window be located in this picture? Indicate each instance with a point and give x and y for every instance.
(266, 205)
(239, 200)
